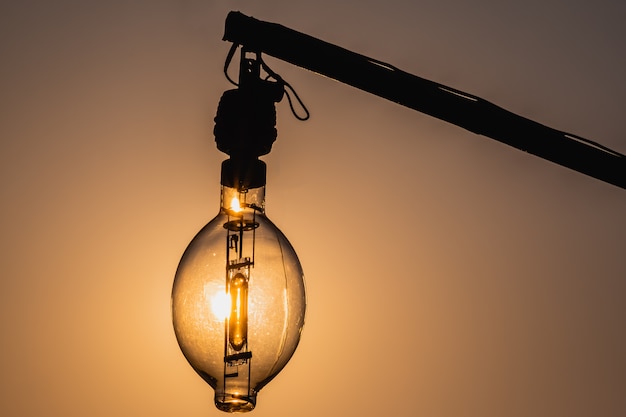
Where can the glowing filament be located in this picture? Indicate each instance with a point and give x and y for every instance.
(238, 320)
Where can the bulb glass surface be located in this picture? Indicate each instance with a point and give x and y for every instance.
(238, 301)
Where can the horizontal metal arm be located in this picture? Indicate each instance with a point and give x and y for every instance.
(445, 103)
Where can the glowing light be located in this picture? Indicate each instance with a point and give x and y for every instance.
(234, 205)
(226, 312)
(238, 321)
(220, 305)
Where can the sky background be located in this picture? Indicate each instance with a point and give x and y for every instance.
(448, 275)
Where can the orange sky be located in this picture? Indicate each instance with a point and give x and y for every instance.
(447, 274)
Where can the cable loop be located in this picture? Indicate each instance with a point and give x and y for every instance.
(229, 58)
(287, 88)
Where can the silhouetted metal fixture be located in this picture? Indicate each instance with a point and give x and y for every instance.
(238, 300)
(445, 103)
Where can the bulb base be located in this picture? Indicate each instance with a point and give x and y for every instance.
(232, 403)
(243, 173)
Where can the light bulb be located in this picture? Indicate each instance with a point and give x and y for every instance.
(238, 300)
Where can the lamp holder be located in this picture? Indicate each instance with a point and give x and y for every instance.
(245, 125)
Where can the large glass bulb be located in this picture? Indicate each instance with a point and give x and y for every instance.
(238, 300)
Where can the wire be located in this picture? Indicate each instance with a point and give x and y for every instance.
(287, 87)
(594, 144)
(293, 110)
(271, 74)
(229, 58)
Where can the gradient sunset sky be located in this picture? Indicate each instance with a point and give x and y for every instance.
(448, 275)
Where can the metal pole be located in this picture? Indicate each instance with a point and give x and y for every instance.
(437, 100)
